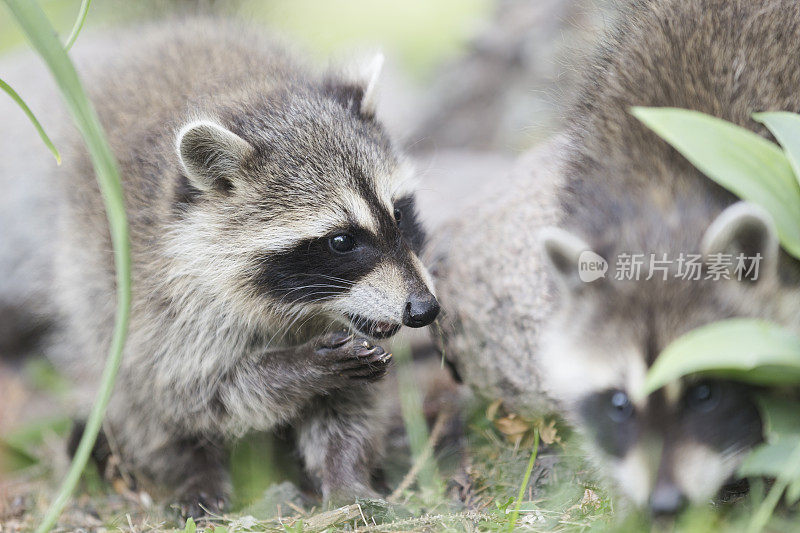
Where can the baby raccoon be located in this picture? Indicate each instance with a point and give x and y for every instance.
(268, 211)
(625, 191)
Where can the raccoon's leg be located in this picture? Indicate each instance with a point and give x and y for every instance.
(341, 436)
(278, 385)
(190, 463)
(202, 467)
(197, 469)
(265, 389)
(325, 388)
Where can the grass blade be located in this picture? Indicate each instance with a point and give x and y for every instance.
(749, 350)
(43, 37)
(746, 164)
(76, 29)
(21, 103)
(414, 421)
(521, 494)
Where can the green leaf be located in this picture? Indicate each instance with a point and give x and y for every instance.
(770, 459)
(779, 416)
(785, 126)
(748, 165)
(782, 436)
(191, 527)
(27, 110)
(744, 349)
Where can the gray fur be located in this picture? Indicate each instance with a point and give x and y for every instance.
(281, 154)
(492, 281)
(618, 188)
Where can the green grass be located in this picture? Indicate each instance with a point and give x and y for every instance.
(558, 491)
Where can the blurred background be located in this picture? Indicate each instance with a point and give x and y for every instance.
(451, 62)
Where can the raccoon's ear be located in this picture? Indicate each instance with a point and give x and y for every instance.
(565, 253)
(211, 155)
(356, 87)
(744, 229)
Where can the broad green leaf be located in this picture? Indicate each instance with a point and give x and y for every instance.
(780, 417)
(770, 459)
(27, 110)
(782, 435)
(748, 165)
(748, 350)
(785, 126)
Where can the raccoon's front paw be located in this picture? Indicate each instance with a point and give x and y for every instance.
(349, 358)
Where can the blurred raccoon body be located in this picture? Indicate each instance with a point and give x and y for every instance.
(623, 190)
(267, 209)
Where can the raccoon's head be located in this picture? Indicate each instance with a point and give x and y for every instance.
(685, 441)
(298, 208)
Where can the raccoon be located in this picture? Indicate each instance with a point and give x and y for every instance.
(625, 191)
(273, 239)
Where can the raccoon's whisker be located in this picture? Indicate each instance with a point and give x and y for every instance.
(334, 278)
(283, 300)
(321, 275)
(320, 285)
(321, 297)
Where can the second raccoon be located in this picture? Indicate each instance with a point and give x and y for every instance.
(624, 191)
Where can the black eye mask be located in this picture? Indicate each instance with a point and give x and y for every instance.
(721, 415)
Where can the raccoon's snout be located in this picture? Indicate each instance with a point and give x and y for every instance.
(666, 499)
(421, 309)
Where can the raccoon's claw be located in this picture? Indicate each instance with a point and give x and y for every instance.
(200, 505)
(353, 358)
(369, 363)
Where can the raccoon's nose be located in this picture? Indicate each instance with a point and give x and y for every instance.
(421, 309)
(666, 499)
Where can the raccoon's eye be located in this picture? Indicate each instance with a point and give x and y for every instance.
(703, 397)
(620, 408)
(398, 215)
(342, 243)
